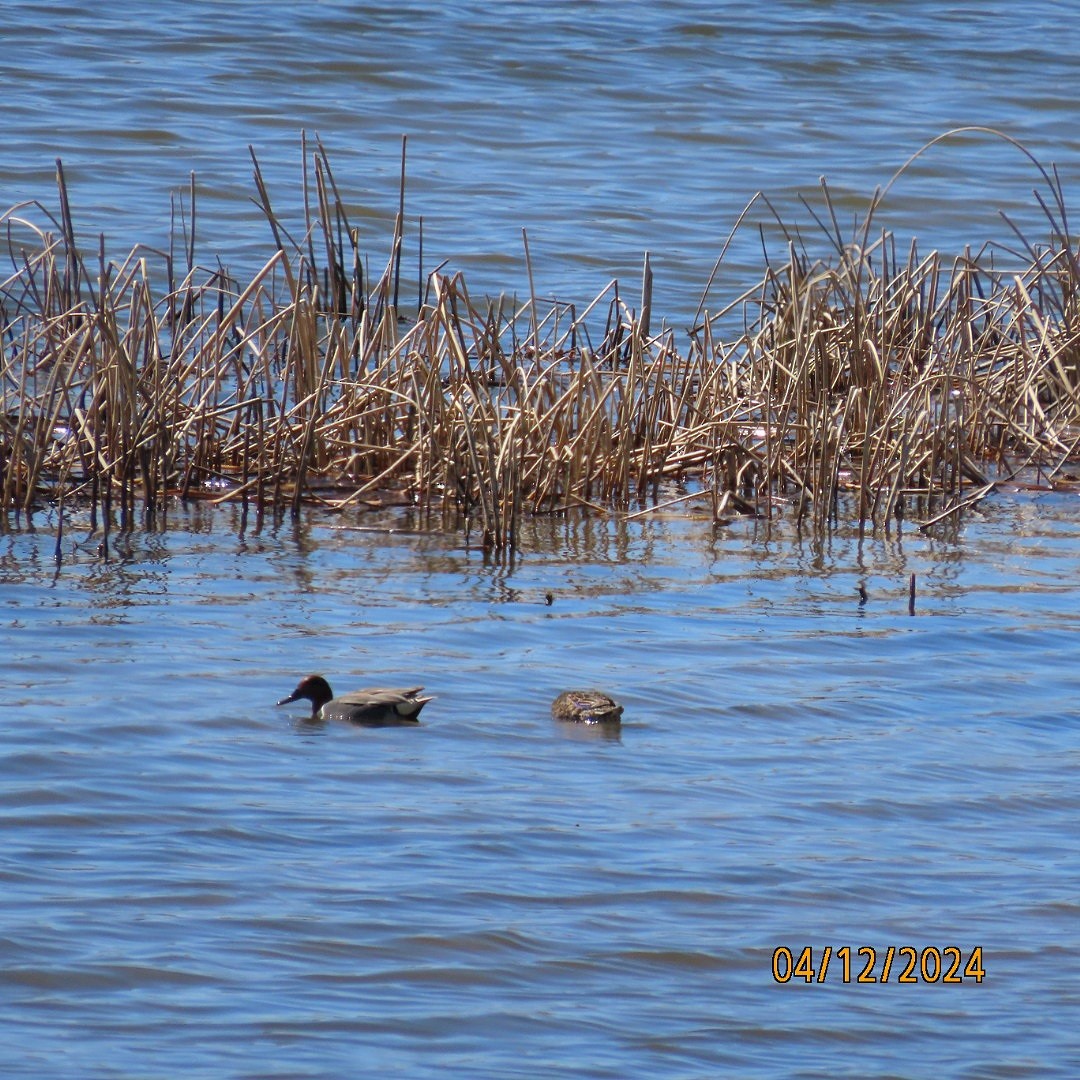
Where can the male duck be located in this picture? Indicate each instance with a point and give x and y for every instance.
(371, 707)
(586, 707)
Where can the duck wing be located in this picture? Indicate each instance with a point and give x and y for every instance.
(381, 693)
(379, 706)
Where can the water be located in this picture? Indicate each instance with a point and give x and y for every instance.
(603, 129)
(196, 883)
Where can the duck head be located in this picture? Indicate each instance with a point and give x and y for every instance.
(313, 688)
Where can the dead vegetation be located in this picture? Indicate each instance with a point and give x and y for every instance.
(844, 386)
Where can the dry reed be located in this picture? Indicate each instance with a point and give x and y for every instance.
(853, 387)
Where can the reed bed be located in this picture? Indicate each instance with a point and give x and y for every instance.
(854, 386)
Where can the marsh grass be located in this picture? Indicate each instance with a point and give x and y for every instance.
(858, 384)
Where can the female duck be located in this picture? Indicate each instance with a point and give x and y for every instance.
(370, 708)
(586, 707)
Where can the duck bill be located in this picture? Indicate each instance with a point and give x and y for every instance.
(288, 700)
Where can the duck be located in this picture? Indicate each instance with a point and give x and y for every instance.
(371, 707)
(586, 707)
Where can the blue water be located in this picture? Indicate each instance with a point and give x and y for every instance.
(195, 883)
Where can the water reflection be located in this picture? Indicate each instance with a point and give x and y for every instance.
(308, 726)
(606, 733)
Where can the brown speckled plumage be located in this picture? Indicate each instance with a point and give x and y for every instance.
(586, 707)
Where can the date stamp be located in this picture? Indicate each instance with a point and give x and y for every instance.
(903, 964)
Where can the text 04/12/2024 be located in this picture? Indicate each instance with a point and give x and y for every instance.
(904, 964)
